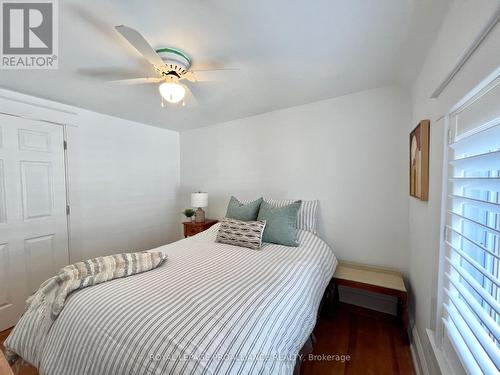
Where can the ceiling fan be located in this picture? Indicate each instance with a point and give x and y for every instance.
(173, 68)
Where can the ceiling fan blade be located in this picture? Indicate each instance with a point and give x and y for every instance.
(108, 74)
(203, 91)
(213, 70)
(137, 81)
(190, 99)
(210, 64)
(140, 44)
(190, 76)
(212, 75)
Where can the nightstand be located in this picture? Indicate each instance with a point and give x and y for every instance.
(192, 228)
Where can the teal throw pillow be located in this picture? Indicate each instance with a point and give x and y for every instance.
(244, 212)
(281, 223)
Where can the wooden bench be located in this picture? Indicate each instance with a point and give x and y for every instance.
(375, 280)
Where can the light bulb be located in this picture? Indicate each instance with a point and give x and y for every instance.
(172, 92)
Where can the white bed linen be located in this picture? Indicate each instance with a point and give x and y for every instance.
(210, 309)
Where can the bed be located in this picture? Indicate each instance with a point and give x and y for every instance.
(210, 309)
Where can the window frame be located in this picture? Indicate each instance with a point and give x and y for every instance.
(441, 340)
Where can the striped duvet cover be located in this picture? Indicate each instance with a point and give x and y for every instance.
(210, 309)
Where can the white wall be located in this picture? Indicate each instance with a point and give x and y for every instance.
(123, 178)
(463, 22)
(349, 152)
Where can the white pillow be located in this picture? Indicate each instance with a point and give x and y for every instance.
(307, 217)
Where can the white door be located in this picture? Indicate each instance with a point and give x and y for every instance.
(33, 224)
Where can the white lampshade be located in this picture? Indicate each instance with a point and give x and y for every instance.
(199, 199)
(172, 92)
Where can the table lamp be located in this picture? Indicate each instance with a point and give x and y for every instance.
(199, 200)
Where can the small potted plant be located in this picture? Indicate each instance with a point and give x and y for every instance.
(189, 213)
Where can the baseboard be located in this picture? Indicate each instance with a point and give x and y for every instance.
(417, 354)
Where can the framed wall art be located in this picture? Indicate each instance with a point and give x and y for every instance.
(419, 161)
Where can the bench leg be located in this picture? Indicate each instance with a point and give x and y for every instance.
(335, 296)
(403, 317)
(329, 303)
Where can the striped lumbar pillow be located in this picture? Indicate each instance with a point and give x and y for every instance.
(241, 233)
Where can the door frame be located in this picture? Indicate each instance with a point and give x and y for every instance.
(41, 110)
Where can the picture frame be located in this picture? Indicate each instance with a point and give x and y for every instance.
(419, 161)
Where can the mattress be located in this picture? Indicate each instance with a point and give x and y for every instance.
(210, 309)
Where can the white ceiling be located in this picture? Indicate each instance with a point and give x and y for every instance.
(289, 52)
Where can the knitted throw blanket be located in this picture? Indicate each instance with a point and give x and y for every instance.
(43, 307)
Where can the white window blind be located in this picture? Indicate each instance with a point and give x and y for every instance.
(471, 219)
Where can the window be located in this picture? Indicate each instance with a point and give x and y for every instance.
(470, 245)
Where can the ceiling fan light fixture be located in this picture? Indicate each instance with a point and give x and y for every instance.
(172, 92)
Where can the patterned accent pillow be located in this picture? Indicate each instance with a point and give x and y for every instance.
(241, 233)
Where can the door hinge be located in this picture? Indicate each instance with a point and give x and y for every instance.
(65, 145)
(67, 209)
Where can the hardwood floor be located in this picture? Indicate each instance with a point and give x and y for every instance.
(25, 370)
(372, 340)
(359, 341)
